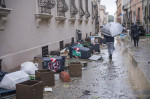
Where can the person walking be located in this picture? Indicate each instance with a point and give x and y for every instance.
(110, 45)
(135, 35)
(132, 32)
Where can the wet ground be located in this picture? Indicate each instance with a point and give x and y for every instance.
(100, 80)
(127, 76)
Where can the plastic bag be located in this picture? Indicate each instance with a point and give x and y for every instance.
(10, 80)
(29, 68)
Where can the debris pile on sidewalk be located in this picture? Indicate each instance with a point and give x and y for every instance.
(39, 75)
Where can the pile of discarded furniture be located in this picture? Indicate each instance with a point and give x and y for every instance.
(34, 77)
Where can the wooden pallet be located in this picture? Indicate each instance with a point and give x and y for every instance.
(7, 94)
(13, 96)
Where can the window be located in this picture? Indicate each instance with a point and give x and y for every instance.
(2, 4)
(72, 40)
(81, 12)
(92, 10)
(61, 45)
(62, 7)
(138, 17)
(73, 9)
(45, 51)
(145, 14)
(87, 14)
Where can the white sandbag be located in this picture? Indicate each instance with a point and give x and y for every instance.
(10, 80)
(29, 68)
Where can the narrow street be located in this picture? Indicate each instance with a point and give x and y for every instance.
(100, 80)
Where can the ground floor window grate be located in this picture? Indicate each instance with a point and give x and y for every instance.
(45, 51)
(61, 45)
(72, 40)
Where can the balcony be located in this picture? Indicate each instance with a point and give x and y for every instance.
(44, 11)
(43, 16)
(60, 18)
(72, 19)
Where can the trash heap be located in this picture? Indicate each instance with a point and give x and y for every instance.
(38, 76)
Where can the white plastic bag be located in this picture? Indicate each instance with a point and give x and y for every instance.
(10, 80)
(29, 68)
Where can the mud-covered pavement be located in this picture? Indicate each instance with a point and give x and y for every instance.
(100, 80)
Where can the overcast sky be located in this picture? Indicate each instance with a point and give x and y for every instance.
(110, 6)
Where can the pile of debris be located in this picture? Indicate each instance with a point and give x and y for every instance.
(34, 77)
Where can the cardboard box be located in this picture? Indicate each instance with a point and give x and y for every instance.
(30, 89)
(97, 39)
(46, 76)
(75, 69)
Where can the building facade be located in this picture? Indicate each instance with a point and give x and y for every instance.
(119, 11)
(28, 25)
(132, 12)
(146, 15)
(137, 14)
(103, 15)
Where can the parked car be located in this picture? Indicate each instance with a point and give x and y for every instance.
(141, 30)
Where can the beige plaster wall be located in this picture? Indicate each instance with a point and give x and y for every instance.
(21, 40)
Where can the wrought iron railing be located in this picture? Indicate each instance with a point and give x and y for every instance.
(46, 5)
(2, 4)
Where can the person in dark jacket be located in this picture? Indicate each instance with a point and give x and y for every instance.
(110, 45)
(136, 36)
(132, 32)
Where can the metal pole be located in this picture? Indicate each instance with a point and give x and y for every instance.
(147, 15)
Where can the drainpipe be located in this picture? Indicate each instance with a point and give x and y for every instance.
(0, 64)
(130, 15)
(147, 16)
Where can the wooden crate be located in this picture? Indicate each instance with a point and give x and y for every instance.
(46, 76)
(30, 89)
(75, 69)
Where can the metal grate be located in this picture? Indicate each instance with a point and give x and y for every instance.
(2, 4)
(61, 44)
(45, 51)
(72, 40)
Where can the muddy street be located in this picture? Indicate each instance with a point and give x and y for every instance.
(102, 79)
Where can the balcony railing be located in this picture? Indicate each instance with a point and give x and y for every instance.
(2, 4)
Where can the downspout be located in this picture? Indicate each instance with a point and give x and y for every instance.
(147, 17)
